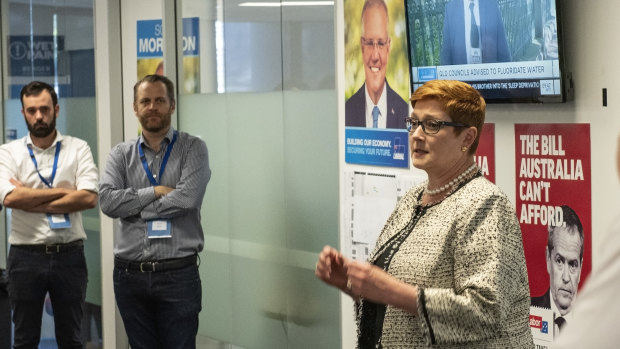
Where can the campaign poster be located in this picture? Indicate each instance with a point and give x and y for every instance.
(485, 154)
(553, 201)
(150, 55)
(376, 84)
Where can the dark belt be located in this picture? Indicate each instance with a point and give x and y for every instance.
(52, 249)
(155, 266)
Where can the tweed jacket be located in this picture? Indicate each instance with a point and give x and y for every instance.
(465, 254)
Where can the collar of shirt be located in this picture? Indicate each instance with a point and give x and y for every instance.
(382, 122)
(167, 138)
(28, 140)
(556, 311)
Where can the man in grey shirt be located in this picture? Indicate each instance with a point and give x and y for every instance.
(155, 186)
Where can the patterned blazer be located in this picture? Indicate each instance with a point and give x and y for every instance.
(465, 254)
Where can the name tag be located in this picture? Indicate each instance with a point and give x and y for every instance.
(159, 228)
(58, 221)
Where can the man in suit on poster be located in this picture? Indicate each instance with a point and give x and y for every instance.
(564, 256)
(598, 305)
(375, 104)
(473, 32)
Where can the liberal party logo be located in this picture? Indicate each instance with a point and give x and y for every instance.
(399, 150)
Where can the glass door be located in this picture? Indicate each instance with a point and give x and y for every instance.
(53, 41)
(257, 83)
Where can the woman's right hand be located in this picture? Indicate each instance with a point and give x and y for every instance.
(330, 268)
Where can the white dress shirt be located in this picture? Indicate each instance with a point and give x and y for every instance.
(470, 50)
(382, 121)
(76, 170)
(556, 314)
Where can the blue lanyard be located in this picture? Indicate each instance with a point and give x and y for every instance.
(49, 184)
(164, 162)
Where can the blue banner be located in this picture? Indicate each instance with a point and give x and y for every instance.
(378, 147)
(150, 38)
(191, 44)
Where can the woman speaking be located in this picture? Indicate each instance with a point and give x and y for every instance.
(448, 270)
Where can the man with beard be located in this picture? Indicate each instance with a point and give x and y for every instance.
(46, 178)
(155, 186)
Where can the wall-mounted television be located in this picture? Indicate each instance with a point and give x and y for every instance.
(509, 50)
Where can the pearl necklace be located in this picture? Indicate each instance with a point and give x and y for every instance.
(452, 183)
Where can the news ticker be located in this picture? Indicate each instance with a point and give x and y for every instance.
(499, 80)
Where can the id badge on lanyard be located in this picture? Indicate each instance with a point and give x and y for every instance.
(56, 221)
(157, 228)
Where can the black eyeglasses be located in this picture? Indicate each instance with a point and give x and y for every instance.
(380, 44)
(430, 126)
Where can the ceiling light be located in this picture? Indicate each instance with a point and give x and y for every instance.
(286, 3)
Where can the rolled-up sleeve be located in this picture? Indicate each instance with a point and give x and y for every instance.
(7, 166)
(87, 175)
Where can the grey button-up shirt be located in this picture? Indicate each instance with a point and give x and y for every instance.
(125, 192)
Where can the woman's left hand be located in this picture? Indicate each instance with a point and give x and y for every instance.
(367, 280)
(373, 283)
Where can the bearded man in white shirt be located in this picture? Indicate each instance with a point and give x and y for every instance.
(46, 178)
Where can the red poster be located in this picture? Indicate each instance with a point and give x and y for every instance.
(485, 154)
(553, 202)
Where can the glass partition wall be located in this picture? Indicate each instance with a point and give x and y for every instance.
(53, 41)
(259, 88)
(257, 81)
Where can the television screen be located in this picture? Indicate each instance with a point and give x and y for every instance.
(509, 50)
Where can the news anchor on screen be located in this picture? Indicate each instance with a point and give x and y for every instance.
(473, 32)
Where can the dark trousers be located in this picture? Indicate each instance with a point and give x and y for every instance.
(5, 312)
(32, 274)
(159, 309)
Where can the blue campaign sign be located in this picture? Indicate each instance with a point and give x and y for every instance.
(191, 44)
(379, 147)
(150, 38)
(34, 55)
